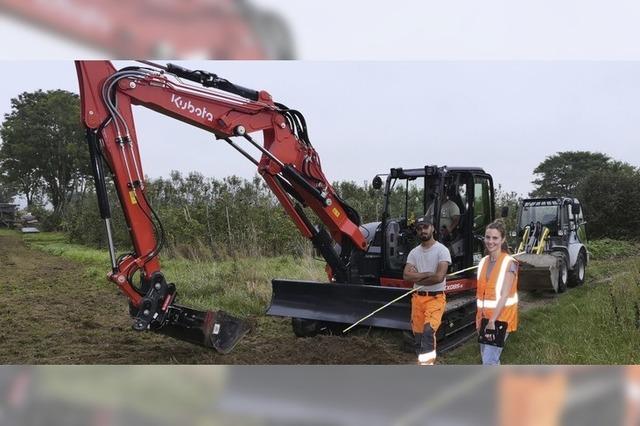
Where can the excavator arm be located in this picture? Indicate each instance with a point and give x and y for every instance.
(289, 164)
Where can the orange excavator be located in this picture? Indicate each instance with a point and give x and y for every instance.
(364, 261)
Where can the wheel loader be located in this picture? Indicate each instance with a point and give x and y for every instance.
(552, 239)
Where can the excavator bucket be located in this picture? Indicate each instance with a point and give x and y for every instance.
(217, 330)
(538, 272)
(340, 303)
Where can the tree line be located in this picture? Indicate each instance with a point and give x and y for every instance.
(43, 158)
(608, 189)
(201, 218)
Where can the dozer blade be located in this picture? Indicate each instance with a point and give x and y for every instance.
(538, 272)
(340, 303)
(217, 330)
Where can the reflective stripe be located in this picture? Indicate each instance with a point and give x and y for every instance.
(480, 266)
(633, 391)
(492, 304)
(503, 270)
(426, 357)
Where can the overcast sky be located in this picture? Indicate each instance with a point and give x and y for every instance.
(365, 117)
(409, 29)
(505, 115)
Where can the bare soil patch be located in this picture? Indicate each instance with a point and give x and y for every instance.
(53, 312)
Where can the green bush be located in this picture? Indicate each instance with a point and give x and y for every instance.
(202, 218)
(611, 199)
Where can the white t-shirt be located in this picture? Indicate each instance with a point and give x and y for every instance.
(427, 260)
(448, 210)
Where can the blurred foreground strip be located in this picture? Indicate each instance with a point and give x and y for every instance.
(311, 395)
(204, 29)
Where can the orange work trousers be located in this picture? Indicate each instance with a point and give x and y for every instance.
(530, 399)
(427, 310)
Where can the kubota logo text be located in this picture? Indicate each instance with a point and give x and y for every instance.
(188, 106)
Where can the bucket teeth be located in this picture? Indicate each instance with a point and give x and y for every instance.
(213, 329)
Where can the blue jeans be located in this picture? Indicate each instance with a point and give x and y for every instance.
(491, 354)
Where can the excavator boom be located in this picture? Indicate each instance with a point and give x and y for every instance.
(364, 261)
(289, 164)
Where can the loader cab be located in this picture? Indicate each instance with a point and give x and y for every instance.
(562, 216)
(576, 220)
(409, 194)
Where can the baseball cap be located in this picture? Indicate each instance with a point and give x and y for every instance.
(424, 220)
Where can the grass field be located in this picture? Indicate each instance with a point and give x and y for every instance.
(59, 308)
(597, 323)
(241, 287)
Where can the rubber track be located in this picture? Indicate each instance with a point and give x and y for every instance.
(457, 338)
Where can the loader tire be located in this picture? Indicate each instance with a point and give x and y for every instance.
(563, 274)
(579, 271)
(304, 327)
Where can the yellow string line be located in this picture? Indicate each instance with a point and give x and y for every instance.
(408, 293)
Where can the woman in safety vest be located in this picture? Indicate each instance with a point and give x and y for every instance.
(497, 289)
(633, 396)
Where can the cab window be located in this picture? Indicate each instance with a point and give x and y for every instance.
(482, 204)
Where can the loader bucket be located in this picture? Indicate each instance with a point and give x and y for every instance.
(340, 303)
(538, 272)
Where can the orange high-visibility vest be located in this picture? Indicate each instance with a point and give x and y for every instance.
(521, 394)
(488, 292)
(633, 373)
(633, 384)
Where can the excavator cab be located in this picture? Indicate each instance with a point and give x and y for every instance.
(411, 193)
(375, 274)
